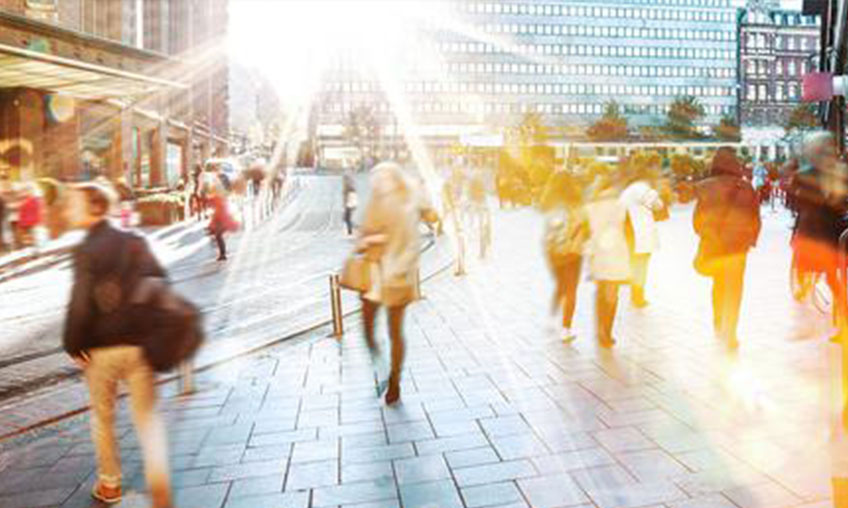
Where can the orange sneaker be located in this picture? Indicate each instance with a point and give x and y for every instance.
(106, 494)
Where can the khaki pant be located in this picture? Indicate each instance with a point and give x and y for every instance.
(108, 366)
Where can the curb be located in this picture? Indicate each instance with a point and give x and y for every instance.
(439, 269)
(175, 377)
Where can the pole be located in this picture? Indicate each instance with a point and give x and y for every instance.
(460, 253)
(186, 378)
(336, 306)
(418, 295)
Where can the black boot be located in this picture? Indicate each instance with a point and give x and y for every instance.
(393, 393)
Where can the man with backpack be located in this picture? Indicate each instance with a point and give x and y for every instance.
(727, 220)
(103, 339)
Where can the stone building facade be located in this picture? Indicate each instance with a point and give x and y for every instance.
(776, 48)
(122, 88)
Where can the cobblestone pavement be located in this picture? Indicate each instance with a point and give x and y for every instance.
(274, 285)
(495, 412)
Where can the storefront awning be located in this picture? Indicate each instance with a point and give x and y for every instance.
(25, 68)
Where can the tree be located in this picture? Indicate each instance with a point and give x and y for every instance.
(685, 166)
(727, 129)
(611, 126)
(683, 114)
(803, 117)
(362, 129)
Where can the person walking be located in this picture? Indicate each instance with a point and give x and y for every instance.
(818, 195)
(609, 261)
(5, 193)
(566, 232)
(351, 201)
(641, 201)
(30, 216)
(101, 339)
(727, 221)
(221, 221)
(390, 241)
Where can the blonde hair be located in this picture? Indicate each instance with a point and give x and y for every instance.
(391, 171)
(99, 198)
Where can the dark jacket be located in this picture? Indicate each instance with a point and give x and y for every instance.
(107, 265)
(727, 215)
(819, 216)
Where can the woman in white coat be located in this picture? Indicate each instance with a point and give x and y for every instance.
(641, 201)
(609, 261)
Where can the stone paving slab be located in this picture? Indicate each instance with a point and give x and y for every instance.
(498, 413)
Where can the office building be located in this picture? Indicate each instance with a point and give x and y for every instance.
(562, 59)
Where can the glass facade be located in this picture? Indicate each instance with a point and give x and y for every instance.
(563, 59)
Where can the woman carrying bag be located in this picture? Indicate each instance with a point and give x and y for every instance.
(389, 241)
(566, 232)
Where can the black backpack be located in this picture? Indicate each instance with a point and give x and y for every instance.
(168, 326)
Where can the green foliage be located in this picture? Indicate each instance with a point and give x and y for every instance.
(802, 118)
(727, 129)
(160, 209)
(611, 126)
(682, 117)
(685, 166)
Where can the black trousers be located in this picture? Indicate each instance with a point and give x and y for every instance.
(369, 318)
(348, 218)
(222, 246)
(567, 274)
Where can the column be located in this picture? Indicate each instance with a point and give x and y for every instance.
(157, 155)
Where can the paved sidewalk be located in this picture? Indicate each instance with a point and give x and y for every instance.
(497, 413)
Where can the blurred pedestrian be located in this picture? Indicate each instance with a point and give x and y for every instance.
(351, 200)
(566, 233)
(818, 194)
(222, 221)
(5, 192)
(30, 215)
(727, 220)
(197, 199)
(609, 261)
(102, 340)
(390, 240)
(478, 209)
(642, 202)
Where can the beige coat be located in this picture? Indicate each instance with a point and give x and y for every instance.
(389, 233)
(640, 201)
(609, 258)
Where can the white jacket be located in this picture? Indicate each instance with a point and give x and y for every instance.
(609, 257)
(641, 200)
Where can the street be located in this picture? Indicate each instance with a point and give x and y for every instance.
(496, 411)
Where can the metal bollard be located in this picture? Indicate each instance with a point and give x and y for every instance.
(186, 378)
(336, 306)
(417, 289)
(460, 254)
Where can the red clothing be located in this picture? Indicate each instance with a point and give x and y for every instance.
(29, 213)
(221, 218)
